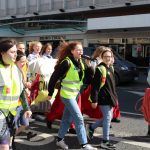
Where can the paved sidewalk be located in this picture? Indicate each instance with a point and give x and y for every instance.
(127, 135)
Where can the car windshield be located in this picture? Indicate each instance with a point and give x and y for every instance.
(117, 56)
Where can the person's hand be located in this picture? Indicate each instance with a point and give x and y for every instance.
(49, 98)
(28, 85)
(88, 62)
(27, 114)
(93, 105)
(27, 92)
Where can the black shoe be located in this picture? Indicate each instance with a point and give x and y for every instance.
(30, 135)
(12, 147)
(115, 120)
(148, 133)
(90, 132)
(108, 145)
(72, 131)
(49, 124)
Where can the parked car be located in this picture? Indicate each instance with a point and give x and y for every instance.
(125, 71)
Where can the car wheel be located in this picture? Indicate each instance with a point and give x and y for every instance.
(117, 79)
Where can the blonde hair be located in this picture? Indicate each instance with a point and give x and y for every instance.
(18, 43)
(31, 45)
(108, 49)
(99, 50)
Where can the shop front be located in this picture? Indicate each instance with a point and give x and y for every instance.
(136, 50)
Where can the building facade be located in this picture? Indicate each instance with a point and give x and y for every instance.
(123, 25)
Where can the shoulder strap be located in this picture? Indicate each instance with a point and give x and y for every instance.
(68, 67)
(103, 71)
(112, 67)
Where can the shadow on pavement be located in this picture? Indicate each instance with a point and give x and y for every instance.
(138, 138)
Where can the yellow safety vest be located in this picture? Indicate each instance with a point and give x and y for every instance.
(103, 71)
(71, 84)
(10, 89)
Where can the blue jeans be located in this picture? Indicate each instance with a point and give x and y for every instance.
(20, 119)
(72, 113)
(105, 121)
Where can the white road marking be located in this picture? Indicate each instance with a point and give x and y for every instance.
(141, 144)
(40, 139)
(129, 113)
(44, 138)
(40, 123)
(135, 92)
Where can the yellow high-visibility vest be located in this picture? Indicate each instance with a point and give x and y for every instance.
(71, 84)
(11, 87)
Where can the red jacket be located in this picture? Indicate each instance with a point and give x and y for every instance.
(146, 105)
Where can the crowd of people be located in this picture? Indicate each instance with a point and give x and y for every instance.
(83, 87)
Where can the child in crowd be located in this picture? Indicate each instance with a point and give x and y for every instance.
(34, 50)
(21, 122)
(46, 51)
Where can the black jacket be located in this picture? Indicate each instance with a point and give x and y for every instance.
(61, 70)
(107, 94)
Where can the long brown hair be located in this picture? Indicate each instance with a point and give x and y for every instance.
(65, 49)
(45, 47)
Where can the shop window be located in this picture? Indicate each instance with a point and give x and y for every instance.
(137, 51)
(114, 47)
(147, 51)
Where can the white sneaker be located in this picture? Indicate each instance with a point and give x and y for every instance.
(89, 147)
(62, 144)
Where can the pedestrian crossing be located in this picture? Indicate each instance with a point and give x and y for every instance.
(45, 138)
(135, 143)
